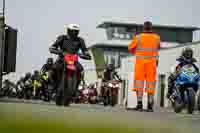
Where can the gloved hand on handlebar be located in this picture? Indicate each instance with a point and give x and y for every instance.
(55, 51)
(85, 56)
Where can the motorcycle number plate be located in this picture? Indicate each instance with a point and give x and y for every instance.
(71, 67)
(85, 92)
(70, 62)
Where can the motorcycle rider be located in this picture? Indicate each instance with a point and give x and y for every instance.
(28, 84)
(184, 59)
(47, 66)
(48, 77)
(20, 86)
(6, 87)
(36, 83)
(71, 43)
(110, 74)
(36, 75)
(9, 87)
(47, 72)
(27, 77)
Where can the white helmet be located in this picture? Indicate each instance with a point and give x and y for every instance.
(72, 30)
(73, 27)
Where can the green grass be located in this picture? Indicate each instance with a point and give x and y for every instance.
(34, 119)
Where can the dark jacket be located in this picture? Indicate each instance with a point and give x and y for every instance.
(183, 61)
(110, 75)
(66, 44)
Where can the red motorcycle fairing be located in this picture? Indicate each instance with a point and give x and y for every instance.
(71, 59)
(71, 67)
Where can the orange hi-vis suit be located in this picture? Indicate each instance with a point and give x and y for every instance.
(145, 46)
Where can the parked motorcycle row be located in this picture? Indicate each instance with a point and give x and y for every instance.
(37, 89)
(40, 90)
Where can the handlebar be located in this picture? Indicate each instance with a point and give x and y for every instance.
(55, 51)
(84, 56)
(60, 52)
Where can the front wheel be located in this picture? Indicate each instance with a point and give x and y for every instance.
(59, 93)
(28, 94)
(71, 87)
(20, 95)
(191, 100)
(176, 101)
(106, 97)
(113, 100)
(105, 100)
(178, 106)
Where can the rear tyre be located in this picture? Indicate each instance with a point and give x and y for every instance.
(113, 100)
(178, 106)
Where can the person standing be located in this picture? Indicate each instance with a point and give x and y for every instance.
(145, 46)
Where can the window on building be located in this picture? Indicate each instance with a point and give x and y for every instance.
(122, 33)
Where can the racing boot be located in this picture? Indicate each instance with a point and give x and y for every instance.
(139, 107)
(171, 80)
(150, 107)
(150, 103)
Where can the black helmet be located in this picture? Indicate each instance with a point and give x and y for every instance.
(36, 72)
(110, 67)
(6, 81)
(50, 61)
(73, 30)
(28, 75)
(187, 53)
(21, 79)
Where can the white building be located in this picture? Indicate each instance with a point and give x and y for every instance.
(115, 50)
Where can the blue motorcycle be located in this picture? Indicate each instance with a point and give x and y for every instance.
(186, 81)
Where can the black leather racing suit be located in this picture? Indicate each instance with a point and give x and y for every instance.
(110, 75)
(72, 46)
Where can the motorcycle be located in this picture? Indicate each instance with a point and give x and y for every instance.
(20, 90)
(48, 78)
(12, 92)
(186, 82)
(70, 77)
(82, 94)
(9, 91)
(110, 92)
(92, 95)
(49, 92)
(86, 94)
(28, 89)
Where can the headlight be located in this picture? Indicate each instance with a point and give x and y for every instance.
(14, 90)
(110, 85)
(80, 87)
(117, 85)
(19, 89)
(86, 91)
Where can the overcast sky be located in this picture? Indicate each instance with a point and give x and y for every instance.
(40, 21)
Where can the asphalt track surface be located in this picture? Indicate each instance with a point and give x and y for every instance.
(166, 117)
